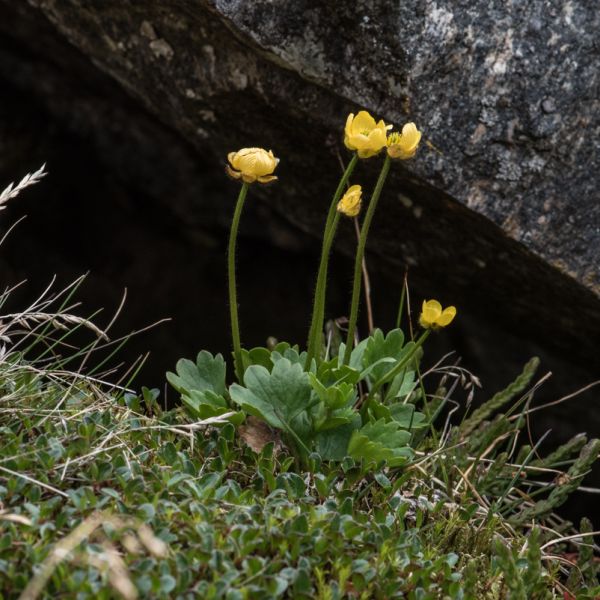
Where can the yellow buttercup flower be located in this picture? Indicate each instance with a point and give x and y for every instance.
(433, 317)
(404, 145)
(350, 203)
(364, 135)
(252, 164)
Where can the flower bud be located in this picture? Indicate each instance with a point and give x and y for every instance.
(351, 201)
(252, 164)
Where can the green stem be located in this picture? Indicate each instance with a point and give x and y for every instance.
(399, 366)
(402, 301)
(360, 252)
(318, 314)
(316, 327)
(233, 306)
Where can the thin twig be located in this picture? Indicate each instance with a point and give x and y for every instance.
(567, 538)
(32, 480)
(563, 399)
(366, 280)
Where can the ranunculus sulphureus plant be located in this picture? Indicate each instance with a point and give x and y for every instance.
(359, 399)
(104, 493)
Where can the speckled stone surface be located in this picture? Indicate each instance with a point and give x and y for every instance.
(498, 213)
(508, 92)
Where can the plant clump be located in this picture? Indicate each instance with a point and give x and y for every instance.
(344, 469)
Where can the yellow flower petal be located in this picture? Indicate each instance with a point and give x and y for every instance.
(410, 131)
(367, 153)
(433, 305)
(431, 311)
(378, 138)
(429, 315)
(349, 121)
(363, 123)
(446, 317)
(232, 172)
(382, 125)
(411, 137)
(266, 178)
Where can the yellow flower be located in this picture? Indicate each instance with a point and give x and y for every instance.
(350, 203)
(252, 164)
(404, 145)
(433, 317)
(364, 135)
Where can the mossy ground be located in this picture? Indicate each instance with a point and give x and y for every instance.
(104, 494)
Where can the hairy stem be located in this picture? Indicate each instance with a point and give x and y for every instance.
(358, 261)
(366, 279)
(318, 314)
(233, 306)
